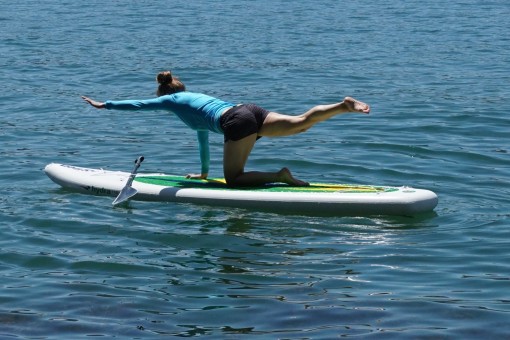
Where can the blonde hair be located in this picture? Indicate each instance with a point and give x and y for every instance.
(168, 84)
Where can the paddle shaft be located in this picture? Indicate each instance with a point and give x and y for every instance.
(128, 192)
(132, 176)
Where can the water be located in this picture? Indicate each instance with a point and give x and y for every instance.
(436, 75)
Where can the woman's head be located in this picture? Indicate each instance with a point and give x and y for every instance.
(168, 84)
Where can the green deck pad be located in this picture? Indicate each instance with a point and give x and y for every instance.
(219, 184)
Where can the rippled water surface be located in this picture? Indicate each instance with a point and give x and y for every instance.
(436, 75)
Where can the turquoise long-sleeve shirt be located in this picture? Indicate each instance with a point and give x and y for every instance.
(198, 111)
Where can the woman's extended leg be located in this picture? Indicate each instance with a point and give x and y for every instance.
(235, 155)
(277, 125)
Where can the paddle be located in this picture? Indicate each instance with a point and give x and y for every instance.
(127, 192)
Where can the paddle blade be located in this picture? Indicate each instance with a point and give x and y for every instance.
(126, 193)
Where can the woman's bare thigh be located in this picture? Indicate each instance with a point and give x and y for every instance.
(279, 125)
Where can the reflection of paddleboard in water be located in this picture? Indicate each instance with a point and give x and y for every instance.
(316, 199)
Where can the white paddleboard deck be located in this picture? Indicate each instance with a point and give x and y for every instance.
(317, 199)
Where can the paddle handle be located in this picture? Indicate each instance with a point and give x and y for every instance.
(139, 161)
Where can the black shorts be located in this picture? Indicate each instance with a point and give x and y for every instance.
(242, 120)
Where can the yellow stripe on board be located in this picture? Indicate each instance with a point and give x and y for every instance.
(219, 184)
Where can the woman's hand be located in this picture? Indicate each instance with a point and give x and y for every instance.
(96, 104)
(196, 176)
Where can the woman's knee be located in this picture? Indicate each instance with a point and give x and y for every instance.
(231, 180)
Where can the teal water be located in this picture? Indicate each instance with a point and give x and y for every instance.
(436, 75)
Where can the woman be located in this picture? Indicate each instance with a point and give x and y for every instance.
(241, 125)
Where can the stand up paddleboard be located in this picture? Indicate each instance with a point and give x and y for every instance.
(316, 199)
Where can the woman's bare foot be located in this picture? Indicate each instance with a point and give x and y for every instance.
(354, 105)
(285, 176)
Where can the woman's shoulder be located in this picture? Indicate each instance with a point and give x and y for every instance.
(187, 96)
(190, 94)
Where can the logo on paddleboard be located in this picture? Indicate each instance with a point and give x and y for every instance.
(98, 191)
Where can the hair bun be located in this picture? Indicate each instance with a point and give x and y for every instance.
(164, 78)
(168, 84)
